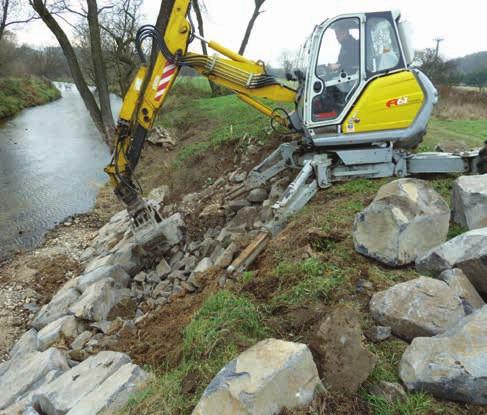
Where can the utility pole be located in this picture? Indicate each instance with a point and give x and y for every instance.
(438, 40)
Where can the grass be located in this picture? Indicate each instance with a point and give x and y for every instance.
(225, 325)
(214, 120)
(16, 94)
(471, 132)
(413, 404)
(310, 280)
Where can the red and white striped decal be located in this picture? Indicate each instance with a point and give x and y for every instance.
(166, 77)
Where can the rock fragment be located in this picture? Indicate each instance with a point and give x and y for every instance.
(452, 365)
(406, 219)
(420, 307)
(268, 377)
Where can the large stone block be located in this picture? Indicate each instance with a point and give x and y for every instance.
(452, 365)
(56, 308)
(263, 380)
(114, 392)
(28, 373)
(469, 201)
(98, 300)
(67, 327)
(72, 387)
(406, 219)
(343, 360)
(467, 252)
(457, 280)
(420, 307)
(116, 272)
(26, 344)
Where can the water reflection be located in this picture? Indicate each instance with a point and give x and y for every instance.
(51, 166)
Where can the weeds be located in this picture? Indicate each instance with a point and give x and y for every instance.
(414, 404)
(305, 281)
(224, 320)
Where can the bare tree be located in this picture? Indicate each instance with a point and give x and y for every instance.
(250, 25)
(101, 80)
(100, 114)
(12, 12)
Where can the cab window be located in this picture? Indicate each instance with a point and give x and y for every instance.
(383, 53)
(337, 69)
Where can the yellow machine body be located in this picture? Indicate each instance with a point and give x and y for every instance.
(388, 102)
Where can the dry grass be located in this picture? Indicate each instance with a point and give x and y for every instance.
(461, 104)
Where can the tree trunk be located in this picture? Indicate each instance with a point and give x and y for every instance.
(101, 79)
(3, 21)
(79, 81)
(250, 26)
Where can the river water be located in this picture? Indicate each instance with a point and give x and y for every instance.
(51, 167)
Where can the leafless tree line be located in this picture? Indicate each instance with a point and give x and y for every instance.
(102, 47)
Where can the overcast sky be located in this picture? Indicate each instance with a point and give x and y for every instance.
(286, 23)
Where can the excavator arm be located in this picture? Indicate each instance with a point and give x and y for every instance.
(150, 88)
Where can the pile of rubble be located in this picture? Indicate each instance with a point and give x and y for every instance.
(444, 317)
(124, 278)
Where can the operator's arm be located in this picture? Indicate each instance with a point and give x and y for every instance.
(146, 96)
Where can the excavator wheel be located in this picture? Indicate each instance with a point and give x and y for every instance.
(482, 164)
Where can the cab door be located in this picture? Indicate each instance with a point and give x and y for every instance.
(336, 70)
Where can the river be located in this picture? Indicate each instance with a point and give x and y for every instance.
(51, 167)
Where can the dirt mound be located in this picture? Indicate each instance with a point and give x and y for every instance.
(158, 340)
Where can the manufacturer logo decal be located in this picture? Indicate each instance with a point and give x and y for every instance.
(396, 102)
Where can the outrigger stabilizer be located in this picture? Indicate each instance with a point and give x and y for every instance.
(319, 168)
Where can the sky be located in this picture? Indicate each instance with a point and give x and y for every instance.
(285, 24)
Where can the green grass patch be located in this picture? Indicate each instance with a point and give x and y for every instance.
(414, 404)
(225, 325)
(471, 132)
(224, 321)
(389, 355)
(214, 120)
(305, 281)
(16, 94)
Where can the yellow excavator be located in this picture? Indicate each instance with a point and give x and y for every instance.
(359, 105)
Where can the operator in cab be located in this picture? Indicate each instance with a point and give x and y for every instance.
(349, 57)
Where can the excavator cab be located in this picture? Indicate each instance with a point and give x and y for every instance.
(359, 80)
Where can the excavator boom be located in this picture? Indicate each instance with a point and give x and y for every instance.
(150, 88)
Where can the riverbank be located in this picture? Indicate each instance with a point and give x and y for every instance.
(19, 93)
(305, 274)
